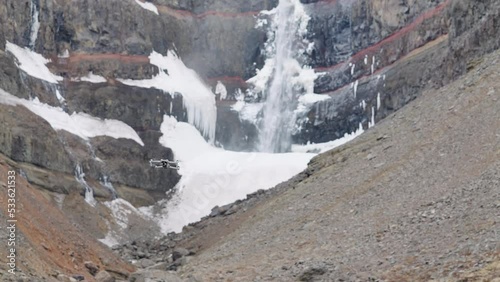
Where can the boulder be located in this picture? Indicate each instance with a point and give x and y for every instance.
(104, 276)
(91, 267)
(154, 275)
(65, 278)
(179, 253)
(145, 263)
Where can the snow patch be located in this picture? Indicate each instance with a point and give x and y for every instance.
(311, 98)
(32, 63)
(121, 210)
(323, 147)
(261, 80)
(212, 176)
(220, 89)
(80, 124)
(110, 240)
(174, 77)
(261, 23)
(248, 111)
(64, 54)
(92, 78)
(148, 6)
(306, 101)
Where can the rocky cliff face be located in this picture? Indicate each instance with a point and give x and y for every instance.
(373, 56)
(377, 56)
(113, 39)
(366, 52)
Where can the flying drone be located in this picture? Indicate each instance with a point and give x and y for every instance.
(164, 163)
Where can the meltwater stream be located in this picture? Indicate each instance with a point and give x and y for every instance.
(286, 76)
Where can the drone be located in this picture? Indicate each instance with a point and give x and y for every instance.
(164, 163)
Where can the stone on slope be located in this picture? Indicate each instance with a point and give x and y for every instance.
(104, 276)
(153, 275)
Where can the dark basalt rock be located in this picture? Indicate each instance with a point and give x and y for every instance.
(200, 7)
(126, 162)
(10, 79)
(20, 140)
(141, 108)
(231, 132)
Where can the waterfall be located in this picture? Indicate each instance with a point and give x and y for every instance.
(89, 192)
(284, 77)
(106, 183)
(35, 24)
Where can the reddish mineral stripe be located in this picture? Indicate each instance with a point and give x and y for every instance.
(400, 33)
(408, 56)
(75, 58)
(427, 15)
(137, 59)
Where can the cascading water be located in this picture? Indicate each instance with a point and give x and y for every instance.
(107, 183)
(284, 77)
(35, 23)
(89, 192)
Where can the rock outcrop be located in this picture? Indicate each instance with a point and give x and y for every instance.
(20, 139)
(377, 56)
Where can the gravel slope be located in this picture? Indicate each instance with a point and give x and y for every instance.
(414, 199)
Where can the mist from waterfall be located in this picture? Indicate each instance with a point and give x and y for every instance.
(284, 78)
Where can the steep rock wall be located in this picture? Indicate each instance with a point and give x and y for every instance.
(382, 68)
(373, 56)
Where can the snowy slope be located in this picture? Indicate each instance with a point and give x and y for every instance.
(32, 63)
(91, 77)
(147, 6)
(212, 176)
(175, 77)
(323, 147)
(80, 124)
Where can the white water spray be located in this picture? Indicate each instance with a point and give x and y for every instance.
(107, 183)
(284, 78)
(89, 192)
